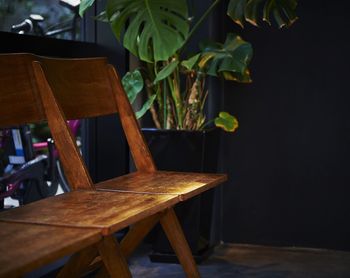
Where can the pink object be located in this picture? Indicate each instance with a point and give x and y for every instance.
(73, 125)
(40, 145)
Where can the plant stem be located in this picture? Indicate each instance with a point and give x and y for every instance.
(206, 124)
(165, 107)
(199, 22)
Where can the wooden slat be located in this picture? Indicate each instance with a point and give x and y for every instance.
(184, 185)
(25, 247)
(19, 97)
(177, 239)
(113, 258)
(74, 168)
(81, 86)
(107, 211)
(137, 144)
(137, 233)
(133, 238)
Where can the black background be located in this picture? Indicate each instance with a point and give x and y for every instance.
(289, 160)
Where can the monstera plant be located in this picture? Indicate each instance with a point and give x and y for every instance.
(157, 32)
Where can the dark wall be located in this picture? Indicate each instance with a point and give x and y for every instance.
(289, 161)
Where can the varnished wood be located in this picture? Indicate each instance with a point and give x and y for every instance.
(113, 258)
(81, 86)
(81, 94)
(107, 211)
(25, 247)
(172, 228)
(137, 144)
(102, 273)
(183, 185)
(73, 165)
(78, 262)
(137, 233)
(133, 238)
(19, 97)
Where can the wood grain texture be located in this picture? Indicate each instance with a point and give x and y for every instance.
(113, 258)
(77, 263)
(61, 89)
(140, 152)
(25, 247)
(74, 168)
(107, 211)
(133, 238)
(183, 185)
(172, 229)
(137, 233)
(19, 96)
(81, 86)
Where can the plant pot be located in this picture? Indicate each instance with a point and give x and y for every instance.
(187, 151)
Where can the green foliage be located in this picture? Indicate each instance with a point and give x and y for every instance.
(166, 71)
(153, 29)
(229, 60)
(146, 106)
(226, 121)
(283, 11)
(133, 84)
(84, 5)
(157, 32)
(191, 62)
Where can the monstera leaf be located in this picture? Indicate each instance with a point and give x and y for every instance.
(226, 121)
(283, 11)
(153, 29)
(84, 5)
(166, 71)
(133, 84)
(236, 10)
(229, 60)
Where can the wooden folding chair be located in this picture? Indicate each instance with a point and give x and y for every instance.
(25, 247)
(90, 87)
(146, 180)
(73, 214)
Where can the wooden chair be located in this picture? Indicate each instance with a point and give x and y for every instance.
(86, 88)
(25, 247)
(22, 83)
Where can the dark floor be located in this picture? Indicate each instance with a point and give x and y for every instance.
(234, 260)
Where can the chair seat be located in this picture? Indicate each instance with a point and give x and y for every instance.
(183, 185)
(107, 211)
(25, 247)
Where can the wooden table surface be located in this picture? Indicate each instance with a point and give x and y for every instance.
(184, 185)
(107, 211)
(25, 247)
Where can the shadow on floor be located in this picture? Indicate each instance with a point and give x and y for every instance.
(231, 260)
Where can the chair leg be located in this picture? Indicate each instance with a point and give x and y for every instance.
(113, 258)
(173, 230)
(137, 233)
(78, 262)
(133, 238)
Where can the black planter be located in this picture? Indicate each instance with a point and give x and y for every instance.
(187, 151)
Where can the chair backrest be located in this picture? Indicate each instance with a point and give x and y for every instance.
(23, 88)
(19, 95)
(81, 86)
(96, 90)
(61, 89)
